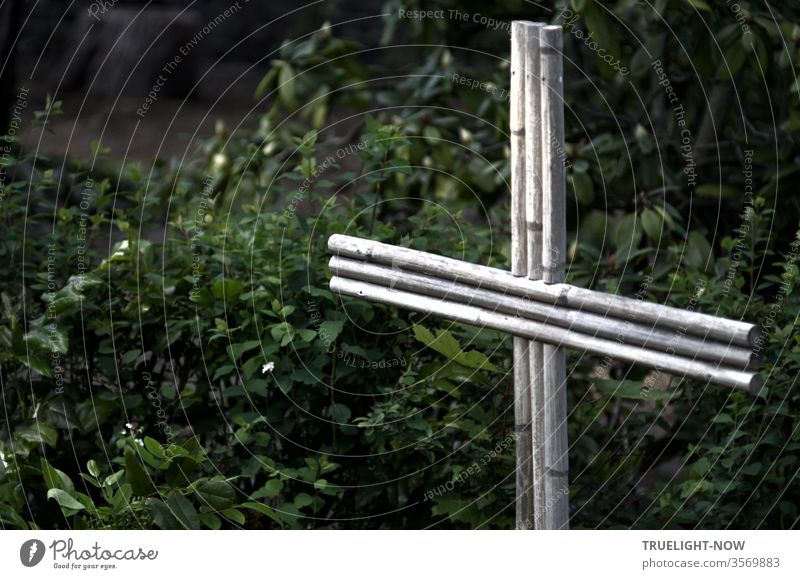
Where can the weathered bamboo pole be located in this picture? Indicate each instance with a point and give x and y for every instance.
(519, 261)
(533, 194)
(554, 251)
(533, 218)
(475, 316)
(519, 238)
(568, 296)
(665, 341)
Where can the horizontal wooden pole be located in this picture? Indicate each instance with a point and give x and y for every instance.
(622, 331)
(555, 335)
(565, 295)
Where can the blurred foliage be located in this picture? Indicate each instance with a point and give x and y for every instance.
(171, 356)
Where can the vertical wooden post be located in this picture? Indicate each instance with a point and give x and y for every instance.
(519, 262)
(554, 261)
(533, 216)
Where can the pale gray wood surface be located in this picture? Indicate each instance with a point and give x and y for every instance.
(554, 251)
(623, 331)
(520, 31)
(481, 317)
(533, 218)
(565, 295)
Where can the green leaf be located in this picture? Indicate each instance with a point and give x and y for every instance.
(37, 363)
(627, 238)
(702, 466)
(264, 510)
(444, 343)
(447, 345)
(227, 289)
(210, 520)
(71, 294)
(633, 389)
(183, 510)
(697, 251)
(476, 360)
(306, 335)
(236, 350)
(323, 486)
(723, 418)
(224, 370)
(330, 330)
(154, 447)
(649, 51)
(340, 413)
(599, 25)
(113, 479)
(234, 515)
(652, 224)
(93, 468)
(303, 500)
(136, 476)
(218, 494)
(272, 488)
(55, 479)
(91, 480)
(131, 356)
(265, 83)
(257, 386)
(583, 186)
(38, 432)
(286, 86)
(44, 337)
(161, 514)
(64, 499)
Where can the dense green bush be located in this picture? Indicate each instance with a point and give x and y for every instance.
(170, 355)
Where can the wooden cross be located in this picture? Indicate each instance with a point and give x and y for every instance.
(532, 303)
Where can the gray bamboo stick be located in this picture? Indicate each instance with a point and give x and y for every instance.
(536, 365)
(519, 239)
(565, 295)
(533, 217)
(519, 262)
(533, 150)
(524, 511)
(626, 332)
(554, 215)
(475, 316)
(554, 250)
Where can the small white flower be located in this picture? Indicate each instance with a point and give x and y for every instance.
(128, 425)
(268, 367)
(140, 442)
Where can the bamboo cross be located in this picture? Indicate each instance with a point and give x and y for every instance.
(532, 302)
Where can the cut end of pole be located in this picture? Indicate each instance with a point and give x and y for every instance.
(552, 39)
(519, 25)
(755, 361)
(754, 334)
(534, 27)
(335, 240)
(756, 384)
